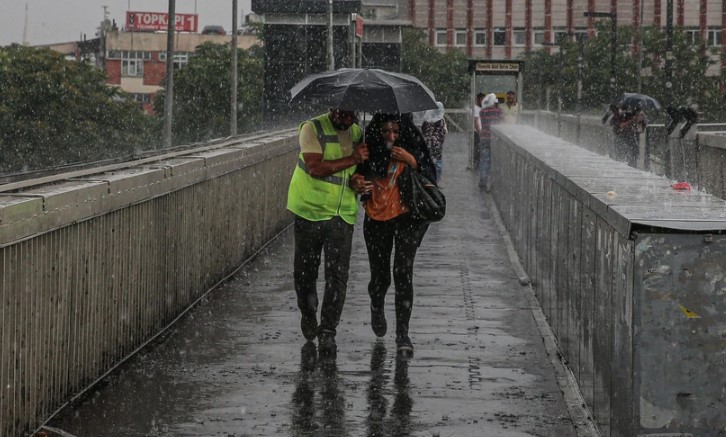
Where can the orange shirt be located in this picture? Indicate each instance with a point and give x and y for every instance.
(385, 202)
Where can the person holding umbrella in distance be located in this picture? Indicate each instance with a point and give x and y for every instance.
(322, 195)
(627, 117)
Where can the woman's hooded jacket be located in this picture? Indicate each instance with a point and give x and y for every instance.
(410, 138)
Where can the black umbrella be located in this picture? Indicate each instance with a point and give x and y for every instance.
(369, 90)
(638, 101)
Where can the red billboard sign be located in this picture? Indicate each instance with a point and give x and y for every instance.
(159, 21)
(359, 26)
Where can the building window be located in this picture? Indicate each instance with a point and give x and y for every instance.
(441, 39)
(693, 35)
(480, 37)
(132, 62)
(132, 67)
(500, 37)
(142, 98)
(181, 59)
(460, 37)
(581, 34)
(520, 37)
(714, 37)
(561, 36)
(539, 36)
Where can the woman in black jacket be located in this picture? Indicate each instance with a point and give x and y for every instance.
(394, 143)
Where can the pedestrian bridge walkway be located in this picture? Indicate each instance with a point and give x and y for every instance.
(237, 364)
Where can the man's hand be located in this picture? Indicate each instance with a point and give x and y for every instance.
(360, 153)
(360, 185)
(318, 167)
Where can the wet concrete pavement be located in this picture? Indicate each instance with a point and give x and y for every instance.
(238, 365)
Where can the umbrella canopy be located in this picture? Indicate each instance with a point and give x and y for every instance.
(369, 90)
(638, 101)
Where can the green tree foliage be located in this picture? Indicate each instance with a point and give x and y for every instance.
(54, 112)
(689, 85)
(446, 74)
(558, 70)
(201, 94)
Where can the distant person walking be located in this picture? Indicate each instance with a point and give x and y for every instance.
(322, 195)
(477, 128)
(395, 144)
(489, 115)
(511, 108)
(628, 123)
(434, 131)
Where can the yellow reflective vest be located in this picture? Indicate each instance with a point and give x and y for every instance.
(322, 198)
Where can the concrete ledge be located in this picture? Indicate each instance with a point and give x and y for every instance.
(712, 139)
(53, 206)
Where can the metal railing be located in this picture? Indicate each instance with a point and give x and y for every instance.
(95, 263)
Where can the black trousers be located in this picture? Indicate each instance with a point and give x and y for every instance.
(380, 237)
(476, 150)
(332, 237)
(626, 148)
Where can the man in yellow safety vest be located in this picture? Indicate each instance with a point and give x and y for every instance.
(322, 195)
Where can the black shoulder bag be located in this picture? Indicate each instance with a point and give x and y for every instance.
(422, 197)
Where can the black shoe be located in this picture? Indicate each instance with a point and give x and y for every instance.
(378, 321)
(403, 344)
(309, 327)
(326, 344)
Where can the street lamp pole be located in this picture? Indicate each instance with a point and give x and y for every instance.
(233, 74)
(640, 46)
(613, 50)
(580, 61)
(331, 55)
(560, 84)
(169, 92)
(669, 51)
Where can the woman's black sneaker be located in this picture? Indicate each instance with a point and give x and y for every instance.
(378, 321)
(403, 344)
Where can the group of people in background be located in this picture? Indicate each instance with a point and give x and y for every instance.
(487, 112)
(334, 167)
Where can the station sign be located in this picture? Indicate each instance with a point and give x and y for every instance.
(512, 67)
(496, 67)
(152, 21)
